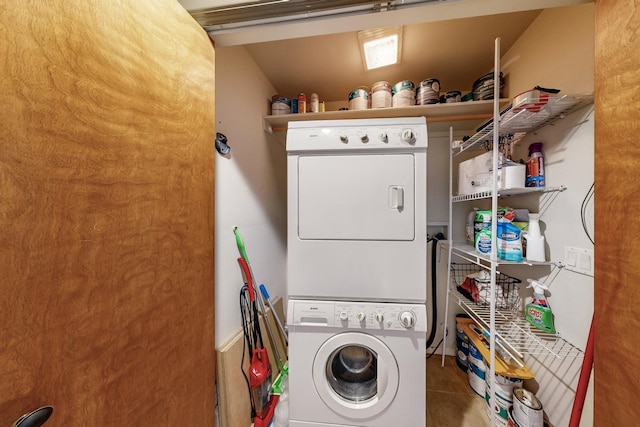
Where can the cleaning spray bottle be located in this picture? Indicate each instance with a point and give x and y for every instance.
(538, 312)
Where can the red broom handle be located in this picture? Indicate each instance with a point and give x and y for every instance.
(583, 382)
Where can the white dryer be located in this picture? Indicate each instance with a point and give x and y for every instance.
(357, 209)
(355, 364)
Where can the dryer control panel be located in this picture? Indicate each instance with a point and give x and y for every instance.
(404, 134)
(358, 315)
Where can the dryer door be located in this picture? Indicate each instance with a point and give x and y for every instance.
(356, 197)
(356, 375)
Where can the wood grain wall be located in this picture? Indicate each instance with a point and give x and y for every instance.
(617, 196)
(106, 213)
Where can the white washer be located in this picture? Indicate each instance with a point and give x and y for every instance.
(357, 203)
(356, 364)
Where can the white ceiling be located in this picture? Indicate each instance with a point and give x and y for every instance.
(452, 41)
(456, 52)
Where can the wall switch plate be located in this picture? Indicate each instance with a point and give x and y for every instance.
(579, 260)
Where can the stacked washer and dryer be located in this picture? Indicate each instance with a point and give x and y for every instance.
(356, 272)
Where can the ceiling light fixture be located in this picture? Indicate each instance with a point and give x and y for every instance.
(380, 47)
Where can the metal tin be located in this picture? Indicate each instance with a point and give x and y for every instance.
(477, 377)
(381, 95)
(483, 87)
(359, 99)
(428, 92)
(403, 94)
(280, 105)
(452, 96)
(527, 409)
(503, 396)
(514, 423)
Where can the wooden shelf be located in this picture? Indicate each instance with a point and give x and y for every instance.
(435, 113)
(502, 367)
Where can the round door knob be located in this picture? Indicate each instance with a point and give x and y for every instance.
(407, 319)
(344, 139)
(361, 316)
(379, 317)
(344, 315)
(408, 136)
(364, 138)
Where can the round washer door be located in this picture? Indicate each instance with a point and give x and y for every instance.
(356, 375)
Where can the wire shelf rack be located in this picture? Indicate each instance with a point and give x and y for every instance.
(511, 328)
(523, 121)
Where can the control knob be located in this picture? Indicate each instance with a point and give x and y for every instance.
(408, 136)
(379, 317)
(408, 319)
(364, 138)
(344, 139)
(383, 137)
(361, 316)
(343, 315)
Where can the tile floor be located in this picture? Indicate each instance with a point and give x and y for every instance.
(450, 400)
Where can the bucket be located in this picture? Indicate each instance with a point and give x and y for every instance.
(359, 99)
(428, 92)
(462, 352)
(503, 397)
(477, 378)
(504, 386)
(527, 409)
(475, 356)
(280, 105)
(403, 94)
(381, 95)
(453, 96)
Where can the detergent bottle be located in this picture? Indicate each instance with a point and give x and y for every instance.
(535, 166)
(538, 312)
(535, 240)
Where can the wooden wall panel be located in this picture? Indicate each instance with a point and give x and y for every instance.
(617, 250)
(106, 213)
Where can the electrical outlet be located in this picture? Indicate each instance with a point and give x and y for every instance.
(579, 260)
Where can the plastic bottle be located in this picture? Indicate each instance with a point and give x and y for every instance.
(538, 312)
(281, 413)
(470, 227)
(314, 103)
(535, 240)
(302, 103)
(535, 166)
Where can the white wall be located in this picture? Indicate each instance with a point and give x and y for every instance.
(250, 187)
(558, 50)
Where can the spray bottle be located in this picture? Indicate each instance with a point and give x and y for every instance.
(538, 312)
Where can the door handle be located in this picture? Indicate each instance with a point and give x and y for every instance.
(34, 418)
(396, 197)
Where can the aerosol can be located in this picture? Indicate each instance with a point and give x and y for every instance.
(260, 380)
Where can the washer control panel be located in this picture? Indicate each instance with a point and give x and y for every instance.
(358, 315)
